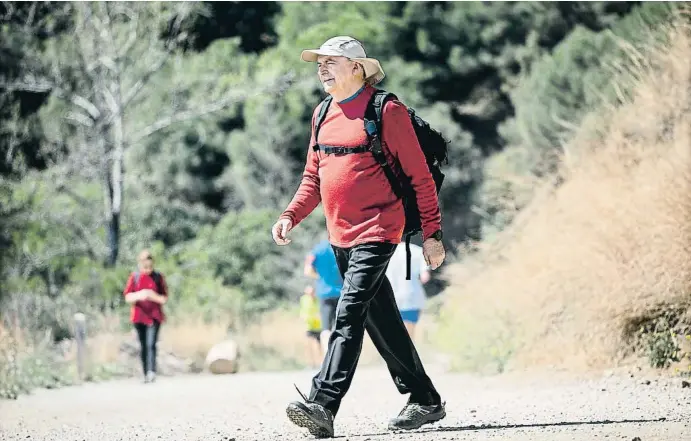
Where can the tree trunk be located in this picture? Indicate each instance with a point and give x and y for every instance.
(113, 238)
(113, 203)
(118, 174)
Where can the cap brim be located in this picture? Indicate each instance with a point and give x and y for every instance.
(375, 73)
(311, 55)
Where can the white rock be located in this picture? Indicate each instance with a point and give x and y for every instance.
(222, 358)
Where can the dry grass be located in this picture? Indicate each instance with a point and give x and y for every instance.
(278, 339)
(187, 338)
(611, 244)
(192, 337)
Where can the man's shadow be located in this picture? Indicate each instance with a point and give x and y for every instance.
(472, 427)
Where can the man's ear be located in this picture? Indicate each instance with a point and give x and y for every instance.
(357, 68)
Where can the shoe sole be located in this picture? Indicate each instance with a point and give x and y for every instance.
(301, 418)
(429, 419)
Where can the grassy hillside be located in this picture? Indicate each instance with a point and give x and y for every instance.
(597, 271)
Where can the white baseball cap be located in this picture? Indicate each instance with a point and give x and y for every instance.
(351, 48)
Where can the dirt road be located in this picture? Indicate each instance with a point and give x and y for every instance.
(252, 407)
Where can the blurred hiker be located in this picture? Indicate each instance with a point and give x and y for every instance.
(320, 264)
(309, 313)
(147, 292)
(358, 132)
(410, 294)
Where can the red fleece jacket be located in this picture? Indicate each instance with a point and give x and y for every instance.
(359, 204)
(146, 311)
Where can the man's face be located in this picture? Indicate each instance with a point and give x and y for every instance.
(336, 73)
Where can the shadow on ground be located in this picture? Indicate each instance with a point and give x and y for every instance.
(472, 427)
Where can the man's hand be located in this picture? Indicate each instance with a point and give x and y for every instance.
(433, 251)
(280, 230)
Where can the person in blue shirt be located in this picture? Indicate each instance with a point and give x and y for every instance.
(320, 264)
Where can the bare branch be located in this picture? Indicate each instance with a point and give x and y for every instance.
(87, 105)
(170, 45)
(80, 119)
(78, 199)
(30, 18)
(133, 16)
(111, 101)
(28, 84)
(9, 7)
(186, 115)
(153, 68)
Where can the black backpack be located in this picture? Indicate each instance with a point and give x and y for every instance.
(433, 146)
(154, 275)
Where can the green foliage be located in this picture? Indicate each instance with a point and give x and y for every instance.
(575, 78)
(550, 100)
(241, 253)
(662, 348)
(660, 337)
(204, 182)
(20, 373)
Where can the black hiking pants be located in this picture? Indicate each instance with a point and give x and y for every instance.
(367, 302)
(148, 337)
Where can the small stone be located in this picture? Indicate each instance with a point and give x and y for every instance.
(636, 439)
(685, 384)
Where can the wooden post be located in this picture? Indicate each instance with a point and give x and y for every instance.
(80, 338)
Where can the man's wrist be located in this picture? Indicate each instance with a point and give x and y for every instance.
(437, 235)
(287, 217)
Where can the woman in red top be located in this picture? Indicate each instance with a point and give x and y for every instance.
(147, 292)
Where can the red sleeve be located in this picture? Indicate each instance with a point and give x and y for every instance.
(399, 137)
(129, 286)
(307, 196)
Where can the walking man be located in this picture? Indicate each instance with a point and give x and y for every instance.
(365, 221)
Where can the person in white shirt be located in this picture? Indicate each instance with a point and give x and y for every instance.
(410, 294)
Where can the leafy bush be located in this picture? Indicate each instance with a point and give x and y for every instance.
(661, 345)
(23, 368)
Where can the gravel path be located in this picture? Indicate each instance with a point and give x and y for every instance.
(252, 407)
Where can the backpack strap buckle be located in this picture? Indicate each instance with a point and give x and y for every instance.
(340, 150)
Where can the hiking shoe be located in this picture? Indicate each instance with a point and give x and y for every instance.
(150, 377)
(312, 416)
(414, 415)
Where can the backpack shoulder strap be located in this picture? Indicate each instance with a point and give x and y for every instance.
(378, 100)
(154, 275)
(320, 119)
(157, 280)
(373, 127)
